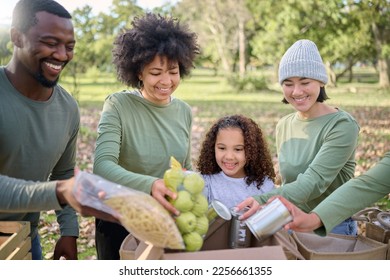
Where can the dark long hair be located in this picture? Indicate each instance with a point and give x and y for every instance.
(259, 163)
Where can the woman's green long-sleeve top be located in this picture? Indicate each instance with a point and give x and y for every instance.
(136, 139)
(355, 195)
(315, 157)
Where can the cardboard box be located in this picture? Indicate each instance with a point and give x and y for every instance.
(15, 242)
(215, 247)
(146, 251)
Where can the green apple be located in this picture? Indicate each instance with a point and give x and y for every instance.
(186, 222)
(193, 241)
(202, 225)
(201, 204)
(183, 201)
(193, 182)
(173, 178)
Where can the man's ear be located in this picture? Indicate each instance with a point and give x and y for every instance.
(16, 37)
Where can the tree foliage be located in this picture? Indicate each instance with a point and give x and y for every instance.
(5, 48)
(239, 35)
(375, 14)
(221, 27)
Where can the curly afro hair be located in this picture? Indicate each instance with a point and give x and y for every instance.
(149, 36)
(259, 163)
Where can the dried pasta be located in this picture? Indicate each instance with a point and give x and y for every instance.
(146, 219)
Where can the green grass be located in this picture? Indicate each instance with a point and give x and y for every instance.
(203, 87)
(211, 97)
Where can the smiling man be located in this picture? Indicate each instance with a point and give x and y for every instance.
(39, 120)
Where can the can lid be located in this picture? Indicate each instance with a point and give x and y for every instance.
(221, 209)
(238, 213)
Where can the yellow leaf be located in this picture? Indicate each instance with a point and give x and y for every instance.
(175, 164)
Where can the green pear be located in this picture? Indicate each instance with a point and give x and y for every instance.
(183, 201)
(193, 241)
(193, 182)
(186, 222)
(201, 204)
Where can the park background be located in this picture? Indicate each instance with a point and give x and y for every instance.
(241, 44)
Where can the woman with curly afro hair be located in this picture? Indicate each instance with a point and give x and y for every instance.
(140, 129)
(235, 161)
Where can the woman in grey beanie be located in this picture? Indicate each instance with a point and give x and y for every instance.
(316, 144)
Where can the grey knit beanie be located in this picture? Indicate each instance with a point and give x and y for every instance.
(302, 59)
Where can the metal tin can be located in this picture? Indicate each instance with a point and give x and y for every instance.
(218, 209)
(269, 219)
(240, 235)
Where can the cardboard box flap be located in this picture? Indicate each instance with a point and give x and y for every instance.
(254, 253)
(146, 251)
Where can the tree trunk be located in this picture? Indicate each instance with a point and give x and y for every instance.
(350, 72)
(383, 62)
(241, 47)
(332, 78)
(220, 34)
(384, 73)
(348, 69)
(220, 48)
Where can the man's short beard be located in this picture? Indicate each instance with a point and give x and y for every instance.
(45, 82)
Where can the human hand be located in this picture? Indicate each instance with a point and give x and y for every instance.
(252, 206)
(64, 190)
(160, 192)
(66, 247)
(302, 222)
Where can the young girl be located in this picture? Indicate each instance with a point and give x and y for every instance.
(235, 161)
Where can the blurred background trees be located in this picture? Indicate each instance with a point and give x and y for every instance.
(241, 37)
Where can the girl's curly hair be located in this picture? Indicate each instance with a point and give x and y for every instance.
(149, 36)
(258, 157)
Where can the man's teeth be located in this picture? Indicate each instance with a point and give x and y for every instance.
(56, 67)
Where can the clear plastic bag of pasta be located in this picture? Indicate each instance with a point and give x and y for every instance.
(143, 216)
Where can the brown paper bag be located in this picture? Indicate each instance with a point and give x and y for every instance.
(339, 247)
(377, 223)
